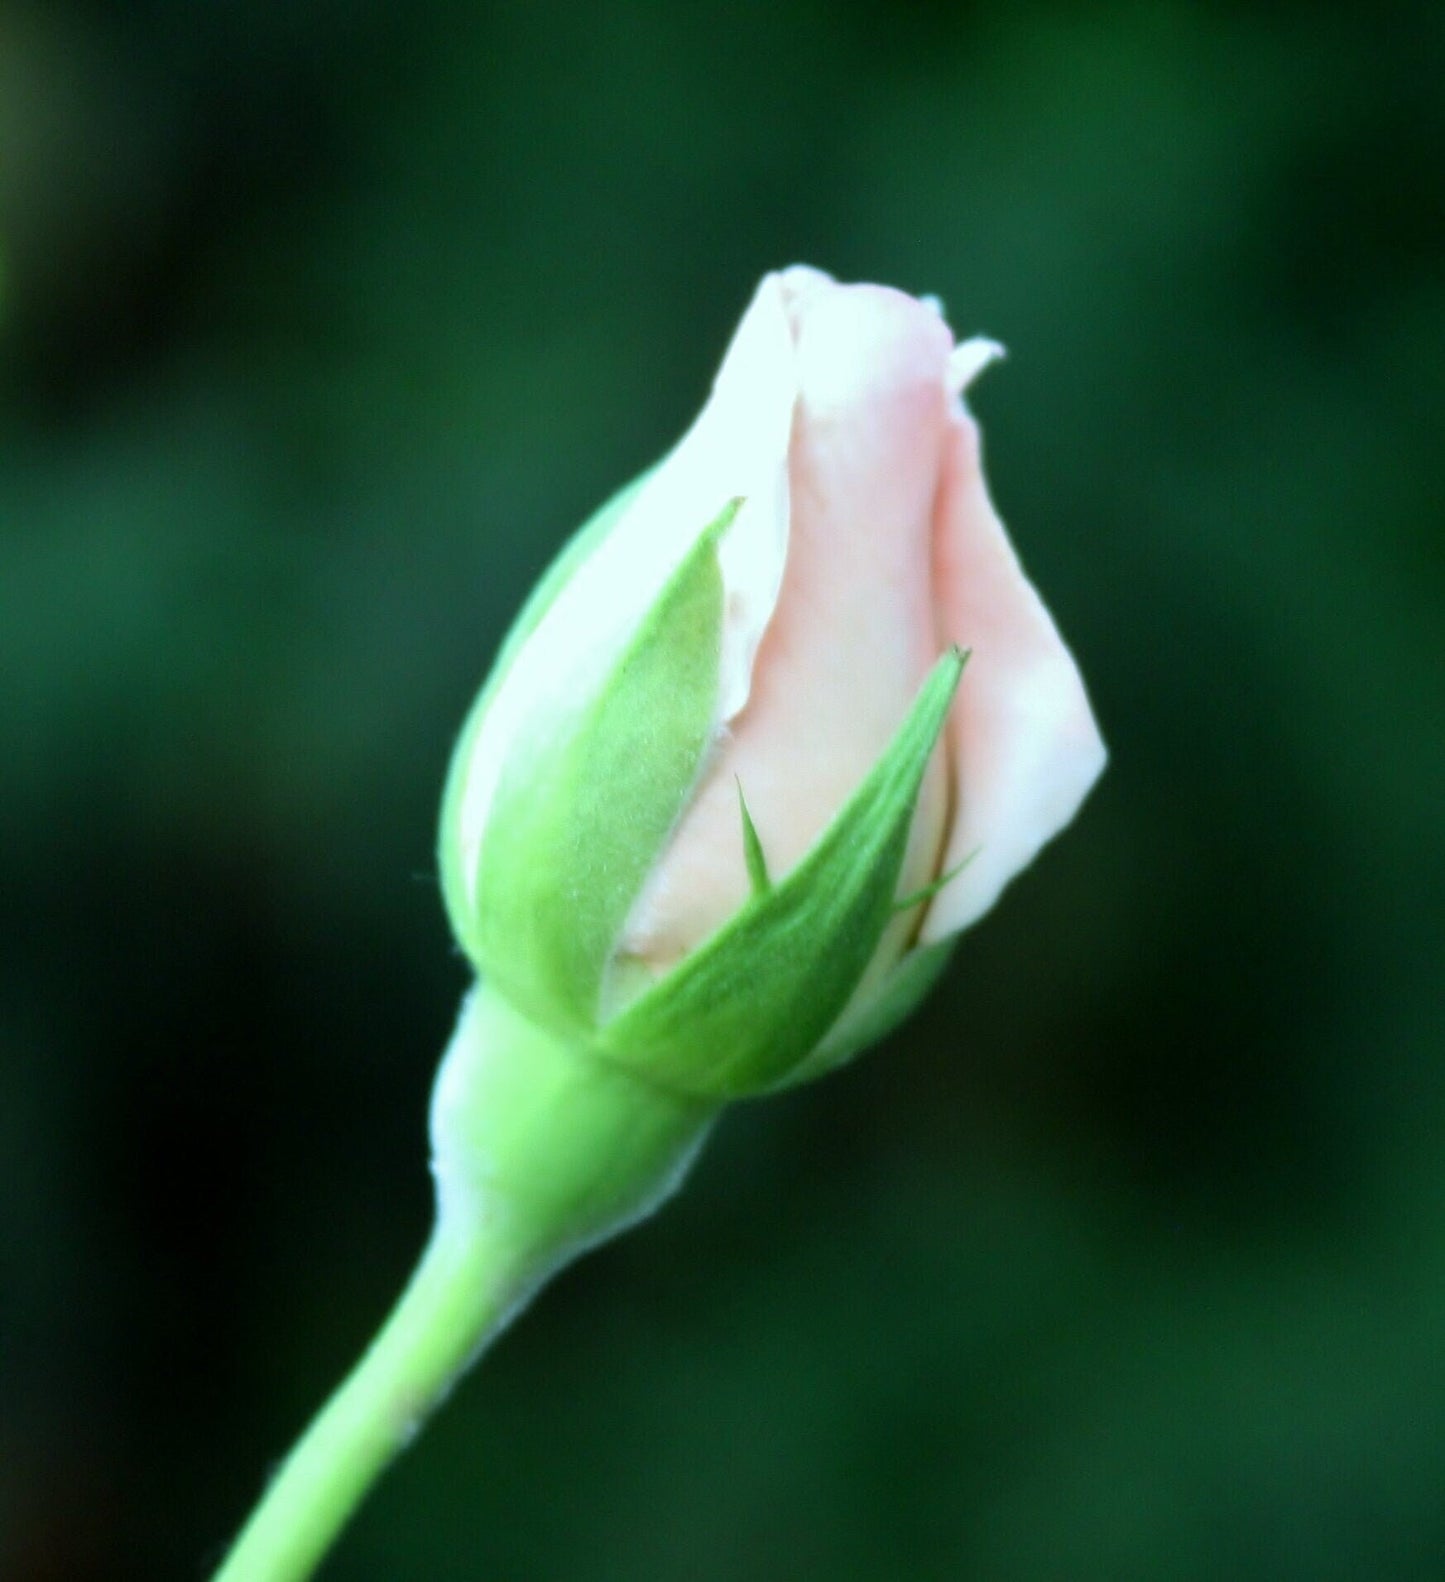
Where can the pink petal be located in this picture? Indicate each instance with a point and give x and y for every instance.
(1022, 737)
(854, 630)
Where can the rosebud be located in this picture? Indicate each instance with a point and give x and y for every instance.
(713, 822)
(729, 793)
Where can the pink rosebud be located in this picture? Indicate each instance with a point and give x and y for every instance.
(893, 552)
(591, 834)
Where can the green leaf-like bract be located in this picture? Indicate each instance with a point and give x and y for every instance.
(900, 994)
(455, 886)
(752, 1002)
(754, 856)
(587, 799)
(906, 903)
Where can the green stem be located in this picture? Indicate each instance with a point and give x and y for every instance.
(539, 1151)
(458, 1294)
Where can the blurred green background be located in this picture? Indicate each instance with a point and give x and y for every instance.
(320, 325)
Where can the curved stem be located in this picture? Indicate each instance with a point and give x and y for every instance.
(456, 1299)
(539, 1151)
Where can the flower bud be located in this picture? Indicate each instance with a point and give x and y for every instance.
(730, 791)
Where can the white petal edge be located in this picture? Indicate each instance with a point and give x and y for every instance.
(737, 447)
(968, 360)
(1024, 745)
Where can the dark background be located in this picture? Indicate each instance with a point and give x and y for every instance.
(320, 325)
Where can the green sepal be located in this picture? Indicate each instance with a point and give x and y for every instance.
(754, 856)
(541, 599)
(906, 903)
(900, 994)
(586, 801)
(749, 1005)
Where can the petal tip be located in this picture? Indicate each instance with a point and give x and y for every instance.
(968, 360)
